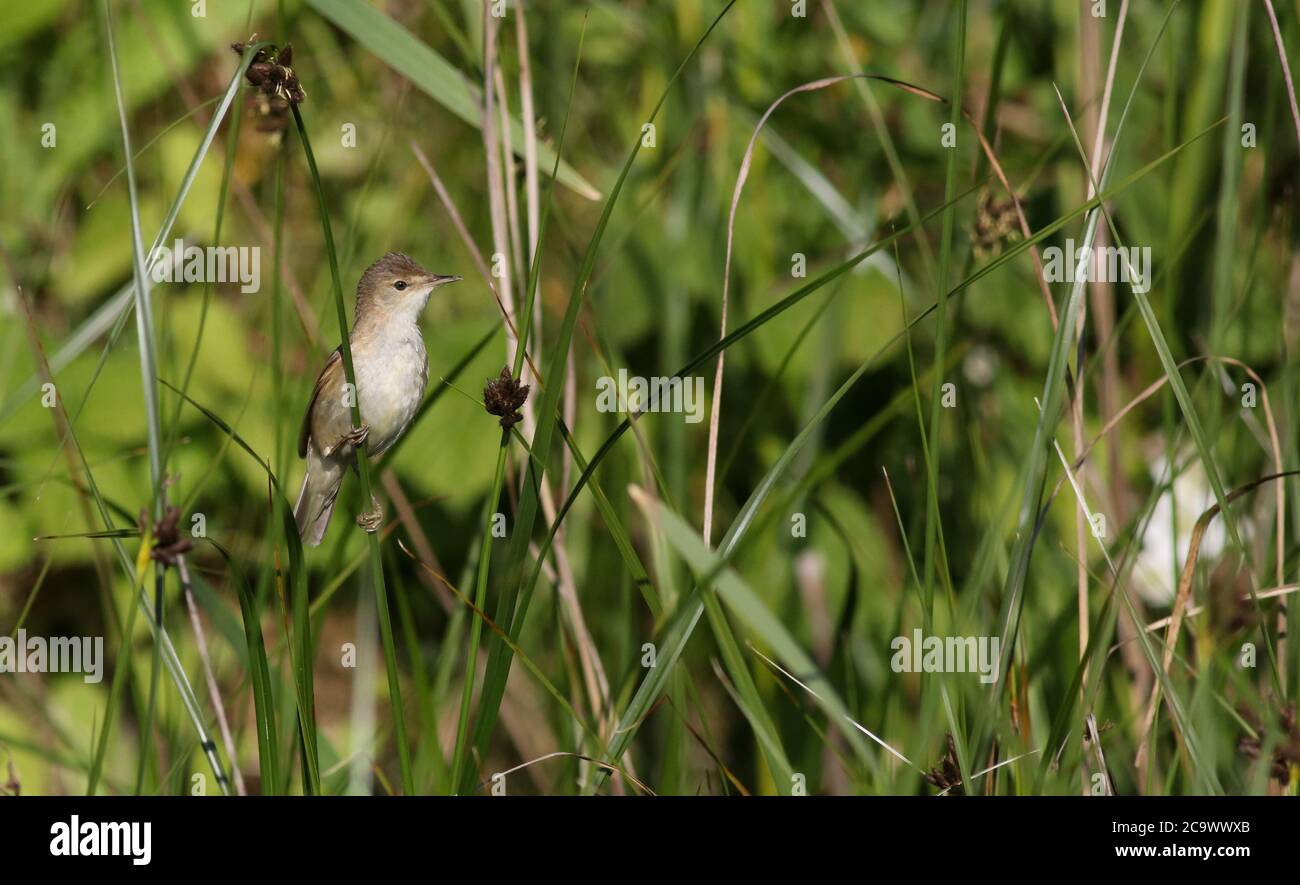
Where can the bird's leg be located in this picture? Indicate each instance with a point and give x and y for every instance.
(374, 518)
(357, 435)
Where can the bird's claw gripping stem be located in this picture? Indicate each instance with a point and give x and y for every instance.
(357, 435)
(373, 518)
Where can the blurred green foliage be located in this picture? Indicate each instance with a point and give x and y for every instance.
(820, 185)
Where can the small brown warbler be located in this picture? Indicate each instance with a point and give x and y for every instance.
(392, 369)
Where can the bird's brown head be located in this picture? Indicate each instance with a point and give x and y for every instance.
(396, 284)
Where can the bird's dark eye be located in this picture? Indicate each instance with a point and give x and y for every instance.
(399, 285)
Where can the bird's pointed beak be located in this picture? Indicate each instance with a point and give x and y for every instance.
(438, 280)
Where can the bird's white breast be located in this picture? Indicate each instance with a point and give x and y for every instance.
(391, 375)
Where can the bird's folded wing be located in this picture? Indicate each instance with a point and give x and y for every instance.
(327, 418)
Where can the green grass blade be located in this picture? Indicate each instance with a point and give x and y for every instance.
(363, 472)
(932, 529)
(260, 676)
(143, 309)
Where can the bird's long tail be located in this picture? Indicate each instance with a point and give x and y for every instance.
(320, 487)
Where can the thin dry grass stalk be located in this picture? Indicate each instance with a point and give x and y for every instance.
(496, 185)
(1194, 610)
(532, 187)
(214, 693)
(512, 332)
(1286, 67)
(1104, 300)
(512, 198)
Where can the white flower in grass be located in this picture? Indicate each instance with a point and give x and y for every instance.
(1155, 574)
